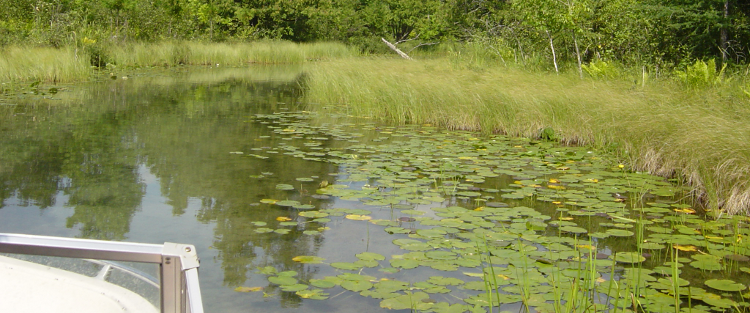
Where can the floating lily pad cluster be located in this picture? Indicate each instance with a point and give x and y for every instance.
(512, 220)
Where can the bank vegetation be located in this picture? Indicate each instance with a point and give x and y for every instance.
(694, 133)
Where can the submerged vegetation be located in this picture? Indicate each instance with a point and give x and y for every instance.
(699, 138)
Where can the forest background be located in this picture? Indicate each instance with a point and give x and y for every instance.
(659, 34)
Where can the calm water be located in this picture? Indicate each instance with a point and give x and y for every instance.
(148, 159)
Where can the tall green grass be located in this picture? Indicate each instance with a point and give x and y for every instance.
(699, 137)
(43, 64)
(71, 64)
(226, 54)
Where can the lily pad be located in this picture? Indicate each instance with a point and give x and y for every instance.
(404, 263)
(282, 280)
(357, 217)
(308, 259)
(619, 233)
(445, 281)
(294, 287)
(315, 294)
(725, 285)
(365, 256)
(706, 262)
(322, 283)
(284, 187)
(574, 229)
(410, 301)
(346, 266)
(356, 285)
(628, 257)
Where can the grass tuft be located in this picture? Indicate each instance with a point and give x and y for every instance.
(43, 64)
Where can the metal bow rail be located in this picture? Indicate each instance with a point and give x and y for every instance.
(178, 263)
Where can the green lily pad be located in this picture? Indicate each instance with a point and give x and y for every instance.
(287, 203)
(346, 266)
(706, 262)
(725, 285)
(445, 281)
(379, 294)
(628, 257)
(282, 280)
(356, 285)
(294, 287)
(410, 301)
(651, 246)
(441, 255)
(284, 187)
(322, 283)
(365, 256)
(573, 229)
(619, 233)
(396, 230)
(308, 259)
(412, 245)
(404, 263)
(315, 294)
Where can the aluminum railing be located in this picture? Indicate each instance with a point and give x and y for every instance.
(178, 263)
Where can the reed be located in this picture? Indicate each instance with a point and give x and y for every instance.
(43, 64)
(72, 64)
(700, 137)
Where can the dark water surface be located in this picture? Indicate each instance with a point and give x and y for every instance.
(148, 159)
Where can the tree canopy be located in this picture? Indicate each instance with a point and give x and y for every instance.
(633, 32)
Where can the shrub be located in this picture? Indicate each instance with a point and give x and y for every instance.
(701, 74)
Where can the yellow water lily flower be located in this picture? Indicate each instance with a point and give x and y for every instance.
(357, 217)
(248, 289)
(685, 210)
(283, 219)
(685, 248)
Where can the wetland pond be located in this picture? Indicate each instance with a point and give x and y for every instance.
(294, 207)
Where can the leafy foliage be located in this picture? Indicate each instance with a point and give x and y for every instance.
(655, 32)
(701, 74)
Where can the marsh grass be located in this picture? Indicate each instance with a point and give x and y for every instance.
(226, 54)
(700, 137)
(42, 64)
(72, 64)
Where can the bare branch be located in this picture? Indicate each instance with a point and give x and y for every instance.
(393, 47)
(402, 40)
(423, 44)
